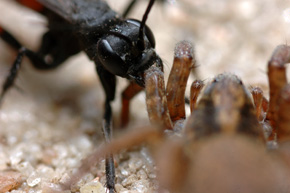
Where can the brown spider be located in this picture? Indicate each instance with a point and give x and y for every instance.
(222, 147)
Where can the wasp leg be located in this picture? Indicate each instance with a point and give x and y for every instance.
(8, 38)
(133, 137)
(38, 62)
(108, 81)
(132, 90)
(53, 52)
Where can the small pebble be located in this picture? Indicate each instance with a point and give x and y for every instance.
(10, 180)
(93, 187)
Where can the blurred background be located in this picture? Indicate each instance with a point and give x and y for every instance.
(234, 36)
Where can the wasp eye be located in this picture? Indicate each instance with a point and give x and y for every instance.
(148, 32)
(110, 60)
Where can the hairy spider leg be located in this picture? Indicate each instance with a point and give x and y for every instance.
(165, 107)
(260, 102)
(183, 62)
(195, 90)
(130, 92)
(283, 115)
(277, 80)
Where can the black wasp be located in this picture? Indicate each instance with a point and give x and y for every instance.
(118, 46)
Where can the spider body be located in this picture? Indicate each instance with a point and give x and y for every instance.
(221, 146)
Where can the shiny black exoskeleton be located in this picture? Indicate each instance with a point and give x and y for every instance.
(118, 46)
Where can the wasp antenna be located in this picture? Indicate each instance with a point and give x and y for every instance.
(141, 42)
(129, 8)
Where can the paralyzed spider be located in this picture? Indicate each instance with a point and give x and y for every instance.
(222, 148)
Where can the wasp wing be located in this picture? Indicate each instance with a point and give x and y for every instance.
(62, 7)
(82, 12)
